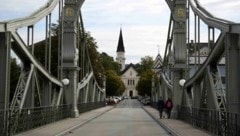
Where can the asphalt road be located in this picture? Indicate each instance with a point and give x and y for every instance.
(127, 119)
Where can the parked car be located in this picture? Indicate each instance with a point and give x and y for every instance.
(111, 100)
(134, 97)
(146, 100)
(126, 97)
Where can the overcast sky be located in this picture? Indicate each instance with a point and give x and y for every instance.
(144, 22)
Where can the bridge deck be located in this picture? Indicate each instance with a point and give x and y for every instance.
(175, 127)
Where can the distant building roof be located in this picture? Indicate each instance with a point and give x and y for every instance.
(127, 67)
(158, 62)
(120, 47)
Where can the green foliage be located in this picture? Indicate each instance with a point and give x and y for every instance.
(145, 64)
(95, 59)
(144, 85)
(114, 84)
(109, 63)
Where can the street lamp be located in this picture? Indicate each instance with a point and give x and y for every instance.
(182, 82)
(65, 81)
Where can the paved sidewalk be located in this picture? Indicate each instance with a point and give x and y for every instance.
(175, 127)
(67, 125)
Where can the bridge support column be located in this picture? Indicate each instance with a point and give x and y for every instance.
(46, 94)
(180, 55)
(70, 54)
(5, 46)
(197, 95)
(233, 73)
(177, 92)
(71, 90)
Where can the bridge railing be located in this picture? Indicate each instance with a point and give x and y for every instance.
(83, 107)
(210, 121)
(31, 118)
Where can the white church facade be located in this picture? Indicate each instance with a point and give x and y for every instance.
(129, 75)
(130, 78)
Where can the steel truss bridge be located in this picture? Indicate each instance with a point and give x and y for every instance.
(208, 99)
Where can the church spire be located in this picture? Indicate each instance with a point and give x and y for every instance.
(120, 47)
(121, 52)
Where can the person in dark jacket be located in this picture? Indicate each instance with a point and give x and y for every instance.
(160, 106)
(168, 106)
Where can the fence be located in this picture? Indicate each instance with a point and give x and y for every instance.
(219, 123)
(31, 118)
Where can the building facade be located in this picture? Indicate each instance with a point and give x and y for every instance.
(129, 75)
(130, 79)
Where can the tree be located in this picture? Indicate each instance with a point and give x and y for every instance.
(144, 85)
(114, 85)
(109, 63)
(95, 59)
(145, 64)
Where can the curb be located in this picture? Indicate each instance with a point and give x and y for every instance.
(168, 129)
(69, 130)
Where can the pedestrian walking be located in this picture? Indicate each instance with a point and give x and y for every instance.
(169, 106)
(160, 106)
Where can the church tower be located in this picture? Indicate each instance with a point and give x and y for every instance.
(120, 59)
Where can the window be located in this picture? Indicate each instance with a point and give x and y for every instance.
(131, 82)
